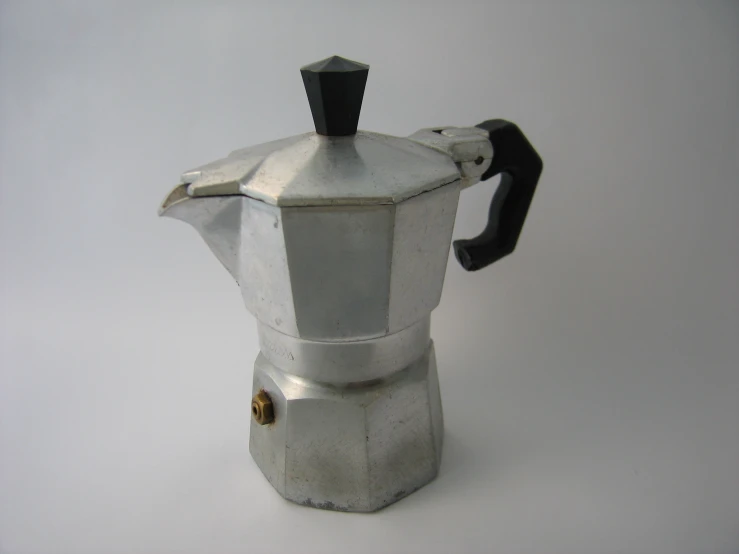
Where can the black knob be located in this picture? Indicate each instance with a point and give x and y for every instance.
(335, 87)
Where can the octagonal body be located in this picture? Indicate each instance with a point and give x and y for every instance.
(350, 449)
(345, 272)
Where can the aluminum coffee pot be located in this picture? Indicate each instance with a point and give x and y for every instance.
(339, 240)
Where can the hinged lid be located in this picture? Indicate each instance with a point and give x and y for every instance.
(337, 165)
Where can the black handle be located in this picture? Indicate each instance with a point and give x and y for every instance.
(520, 166)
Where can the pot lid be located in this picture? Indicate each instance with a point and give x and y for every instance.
(336, 165)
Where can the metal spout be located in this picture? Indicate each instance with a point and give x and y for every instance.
(216, 218)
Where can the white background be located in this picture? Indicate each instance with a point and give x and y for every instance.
(590, 381)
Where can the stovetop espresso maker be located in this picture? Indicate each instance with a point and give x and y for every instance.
(339, 241)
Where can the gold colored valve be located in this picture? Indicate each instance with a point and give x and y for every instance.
(261, 408)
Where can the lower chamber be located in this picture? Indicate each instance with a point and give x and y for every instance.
(357, 425)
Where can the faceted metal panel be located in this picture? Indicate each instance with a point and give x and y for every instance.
(435, 406)
(326, 463)
(421, 237)
(400, 438)
(350, 449)
(264, 277)
(339, 262)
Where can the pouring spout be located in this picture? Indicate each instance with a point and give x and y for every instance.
(216, 218)
(175, 196)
